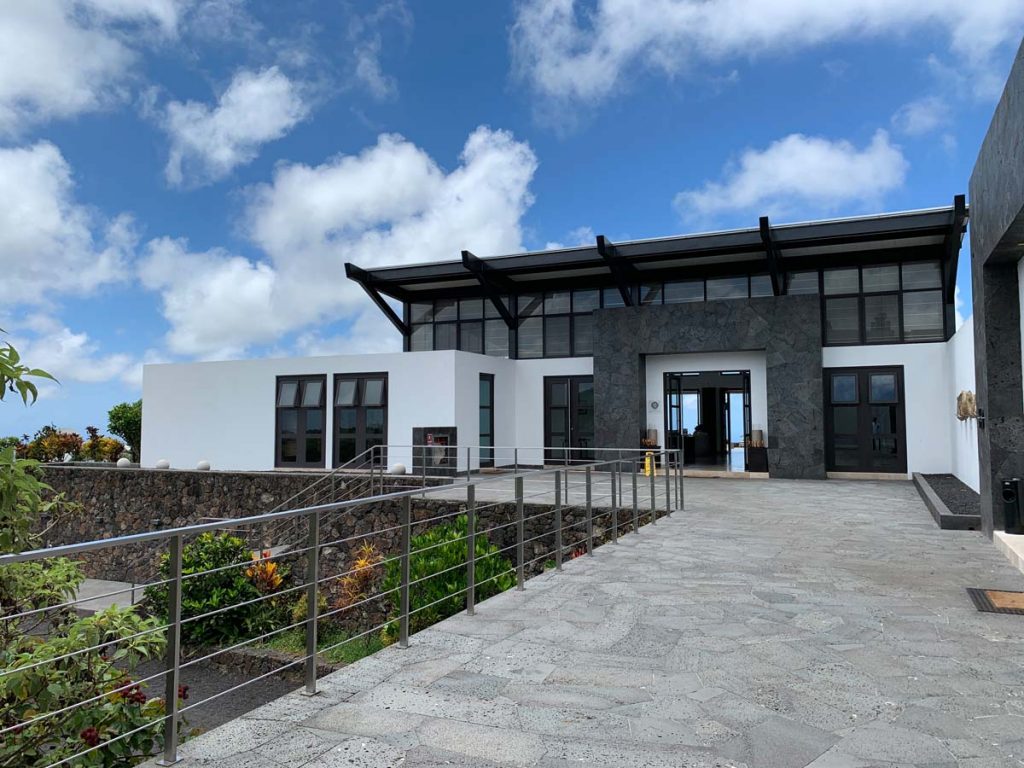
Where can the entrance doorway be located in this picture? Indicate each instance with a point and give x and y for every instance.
(707, 415)
(865, 420)
(568, 419)
(360, 417)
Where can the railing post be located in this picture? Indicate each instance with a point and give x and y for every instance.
(654, 493)
(515, 460)
(615, 509)
(520, 537)
(312, 601)
(469, 453)
(172, 656)
(636, 507)
(558, 521)
(668, 482)
(590, 516)
(403, 626)
(423, 464)
(682, 483)
(470, 550)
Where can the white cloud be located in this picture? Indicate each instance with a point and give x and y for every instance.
(916, 118)
(366, 38)
(67, 355)
(958, 308)
(49, 243)
(799, 174)
(207, 143)
(61, 58)
(390, 204)
(569, 53)
(578, 236)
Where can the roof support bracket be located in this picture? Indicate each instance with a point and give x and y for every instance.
(953, 243)
(617, 267)
(492, 285)
(771, 248)
(352, 272)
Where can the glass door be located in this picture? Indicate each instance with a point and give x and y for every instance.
(569, 419)
(865, 420)
(360, 417)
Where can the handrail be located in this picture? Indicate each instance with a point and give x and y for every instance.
(576, 535)
(66, 550)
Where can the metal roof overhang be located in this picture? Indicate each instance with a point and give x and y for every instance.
(934, 233)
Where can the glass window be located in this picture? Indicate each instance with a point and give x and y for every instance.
(728, 288)
(289, 422)
(922, 316)
(373, 392)
(422, 339)
(877, 279)
(531, 305)
(586, 300)
(845, 420)
(346, 394)
(556, 337)
(883, 388)
(680, 293)
(612, 297)
(446, 309)
(844, 388)
(496, 338)
(842, 321)
(485, 391)
(492, 311)
(471, 336)
(531, 337)
(761, 285)
(287, 392)
(311, 392)
(421, 312)
(802, 282)
(583, 335)
(842, 281)
(650, 294)
(922, 274)
(471, 309)
(445, 335)
(882, 318)
(289, 449)
(556, 303)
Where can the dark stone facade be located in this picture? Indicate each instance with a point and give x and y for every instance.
(786, 328)
(997, 231)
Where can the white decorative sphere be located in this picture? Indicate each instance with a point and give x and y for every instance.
(203, 465)
(398, 469)
(163, 464)
(123, 462)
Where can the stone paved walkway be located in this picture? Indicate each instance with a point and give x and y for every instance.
(773, 624)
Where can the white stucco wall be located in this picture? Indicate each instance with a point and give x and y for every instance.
(963, 434)
(224, 411)
(659, 365)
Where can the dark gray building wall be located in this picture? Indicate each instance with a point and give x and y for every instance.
(997, 230)
(787, 328)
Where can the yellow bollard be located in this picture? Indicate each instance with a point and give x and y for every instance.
(648, 463)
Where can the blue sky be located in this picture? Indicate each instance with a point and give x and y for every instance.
(183, 179)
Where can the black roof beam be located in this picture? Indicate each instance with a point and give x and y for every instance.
(492, 284)
(619, 268)
(361, 276)
(771, 249)
(953, 243)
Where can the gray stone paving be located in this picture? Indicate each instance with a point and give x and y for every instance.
(773, 624)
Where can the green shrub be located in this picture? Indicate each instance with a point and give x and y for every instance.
(433, 553)
(125, 421)
(100, 447)
(212, 591)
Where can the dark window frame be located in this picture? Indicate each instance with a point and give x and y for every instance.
(360, 408)
(487, 459)
(302, 412)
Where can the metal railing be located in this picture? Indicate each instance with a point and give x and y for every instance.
(586, 505)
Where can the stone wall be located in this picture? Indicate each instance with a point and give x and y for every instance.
(118, 502)
(787, 328)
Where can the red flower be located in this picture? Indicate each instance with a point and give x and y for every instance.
(183, 692)
(90, 736)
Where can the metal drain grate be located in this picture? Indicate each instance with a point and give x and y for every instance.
(997, 600)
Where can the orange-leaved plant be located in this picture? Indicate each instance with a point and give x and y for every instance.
(357, 585)
(264, 573)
